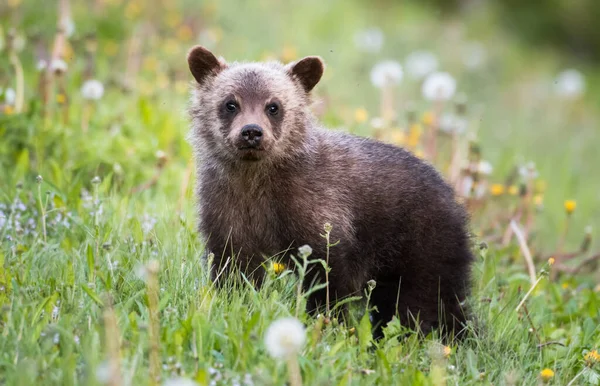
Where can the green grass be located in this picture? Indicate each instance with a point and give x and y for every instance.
(56, 289)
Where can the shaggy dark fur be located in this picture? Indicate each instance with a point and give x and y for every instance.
(265, 192)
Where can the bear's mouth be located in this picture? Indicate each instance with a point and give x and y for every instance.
(250, 153)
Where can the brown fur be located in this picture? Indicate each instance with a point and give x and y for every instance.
(397, 221)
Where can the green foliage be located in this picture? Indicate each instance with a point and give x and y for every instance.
(101, 232)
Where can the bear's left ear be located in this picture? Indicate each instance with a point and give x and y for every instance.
(307, 71)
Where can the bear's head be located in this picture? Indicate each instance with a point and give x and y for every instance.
(251, 111)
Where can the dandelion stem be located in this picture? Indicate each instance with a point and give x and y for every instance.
(529, 292)
(20, 87)
(42, 210)
(572, 381)
(111, 338)
(294, 371)
(525, 249)
(327, 310)
(152, 292)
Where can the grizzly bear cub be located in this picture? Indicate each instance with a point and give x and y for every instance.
(269, 178)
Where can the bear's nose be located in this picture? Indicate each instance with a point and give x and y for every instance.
(252, 134)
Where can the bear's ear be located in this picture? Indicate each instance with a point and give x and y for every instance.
(203, 63)
(307, 71)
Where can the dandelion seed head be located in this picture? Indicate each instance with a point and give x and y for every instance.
(41, 65)
(92, 90)
(569, 84)
(439, 86)
(485, 168)
(285, 337)
(305, 250)
(419, 64)
(10, 96)
(474, 55)
(369, 40)
(58, 66)
(386, 73)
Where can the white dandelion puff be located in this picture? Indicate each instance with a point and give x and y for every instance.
(68, 26)
(41, 65)
(528, 171)
(285, 337)
(485, 168)
(569, 84)
(180, 381)
(419, 64)
(439, 86)
(474, 55)
(369, 39)
(451, 123)
(58, 65)
(92, 90)
(305, 250)
(385, 73)
(10, 96)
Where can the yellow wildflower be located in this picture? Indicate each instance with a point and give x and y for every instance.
(447, 351)
(361, 115)
(150, 64)
(570, 206)
(133, 9)
(185, 32)
(61, 98)
(565, 285)
(546, 375)
(591, 358)
(513, 190)
(428, 118)
(551, 261)
(278, 268)
(538, 199)
(8, 110)
(397, 136)
(289, 53)
(414, 135)
(111, 48)
(497, 189)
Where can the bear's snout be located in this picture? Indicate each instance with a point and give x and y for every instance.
(251, 136)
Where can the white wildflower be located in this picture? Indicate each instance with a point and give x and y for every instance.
(485, 168)
(305, 250)
(58, 65)
(474, 55)
(180, 381)
(9, 96)
(419, 64)
(385, 73)
(451, 123)
(41, 65)
(56, 338)
(466, 186)
(103, 372)
(439, 86)
(369, 40)
(92, 90)
(68, 26)
(528, 171)
(285, 337)
(569, 84)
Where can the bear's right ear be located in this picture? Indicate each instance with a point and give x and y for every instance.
(203, 63)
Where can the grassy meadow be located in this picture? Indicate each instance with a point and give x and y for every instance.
(102, 279)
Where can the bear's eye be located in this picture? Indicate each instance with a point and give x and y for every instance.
(231, 106)
(272, 109)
